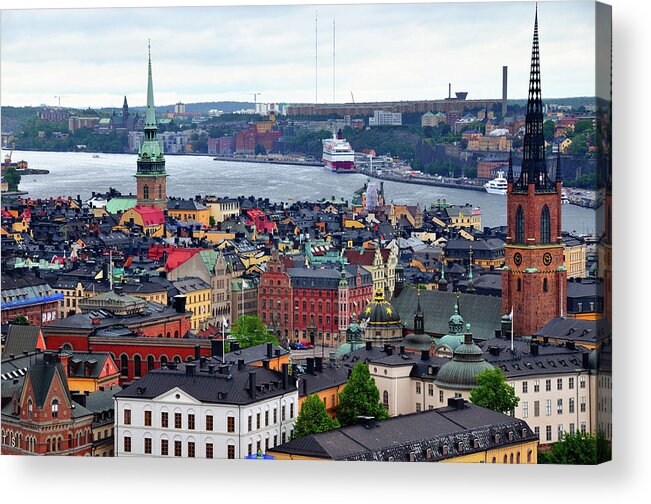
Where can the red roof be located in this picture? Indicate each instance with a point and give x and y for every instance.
(151, 215)
(356, 257)
(178, 256)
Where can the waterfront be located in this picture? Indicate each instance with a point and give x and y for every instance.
(78, 173)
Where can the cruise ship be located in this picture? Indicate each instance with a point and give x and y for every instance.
(498, 185)
(338, 155)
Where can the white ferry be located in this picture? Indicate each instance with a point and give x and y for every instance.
(338, 155)
(498, 185)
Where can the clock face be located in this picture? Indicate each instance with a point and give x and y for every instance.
(517, 259)
(547, 259)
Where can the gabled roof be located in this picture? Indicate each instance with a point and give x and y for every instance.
(151, 215)
(23, 339)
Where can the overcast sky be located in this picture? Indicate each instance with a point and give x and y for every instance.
(93, 57)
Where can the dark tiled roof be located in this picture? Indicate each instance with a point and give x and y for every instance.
(482, 312)
(231, 387)
(256, 353)
(21, 339)
(330, 376)
(418, 436)
(577, 330)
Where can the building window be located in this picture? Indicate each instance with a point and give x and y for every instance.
(230, 451)
(418, 387)
(582, 381)
(209, 450)
(583, 404)
(519, 284)
(548, 385)
(417, 407)
(282, 413)
(275, 416)
(291, 410)
(548, 432)
(536, 429)
(519, 225)
(191, 449)
(548, 407)
(583, 427)
(30, 408)
(559, 406)
(536, 385)
(127, 444)
(545, 227)
(571, 405)
(190, 421)
(559, 384)
(572, 429)
(178, 450)
(385, 399)
(525, 387)
(148, 445)
(250, 449)
(570, 383)
(164, 419)
(147, 418)
(525, 409)
(266, 417)
(178, 422)
(164, 448)
(257, 420)
(55, 408)
(545, 285)
(440, 396)
(230, 423)
(209, 423)
(559, 432)
(250, 423)
(145, 191)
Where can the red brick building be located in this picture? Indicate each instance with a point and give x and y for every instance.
(247, 140)
(488, 166)
(40, 418)
(25, 294)
(534, 280)
(312, 304)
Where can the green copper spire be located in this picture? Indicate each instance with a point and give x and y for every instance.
(150, 117)
(150, 156)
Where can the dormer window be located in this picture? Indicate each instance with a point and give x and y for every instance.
(30, 408)
(55, 408)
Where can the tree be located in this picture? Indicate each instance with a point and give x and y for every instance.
(212, 221)
(360, 397)
(13, 178)
(249, 330)
(20, 320)
(577, 449)
(313, 418)
(579, 146)
(548, 130)
(260, 149)
(582, 125)
(493, 392)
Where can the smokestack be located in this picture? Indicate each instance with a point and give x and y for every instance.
(505, 71)
(449, 91)
(285, 375)
(318, 364)
(197, 352)
(252, 384)
(310, 365)
(270, 350)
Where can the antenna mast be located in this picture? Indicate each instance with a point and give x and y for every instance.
(316, 57)
(333, 60)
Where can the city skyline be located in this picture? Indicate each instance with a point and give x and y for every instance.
(270, 50)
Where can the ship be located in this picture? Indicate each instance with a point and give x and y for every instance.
(498, 185)
(338, 155)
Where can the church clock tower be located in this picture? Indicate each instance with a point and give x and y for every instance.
(151, 178)
(534, 279)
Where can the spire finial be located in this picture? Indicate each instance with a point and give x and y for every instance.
(558, 166)
(509, 173)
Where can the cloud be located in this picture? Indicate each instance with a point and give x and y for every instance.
(384, 52)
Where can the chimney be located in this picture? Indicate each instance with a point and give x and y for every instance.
(585, 361)
(402, 349)
(265, 363)
(79, 398)
(240, 364)
(570, 345)
(252, 384)
(235, 346)
(285, 375)
(456, 402)
(310, 365)
(179, 303)
(211, 369)
(197, 352)
(63, 359)
(304, 385)
(424, 355)
(533, 348)
(369, 346)
(216, 349)
(189, 368)
(318, 364)
(270, 350)
(505, 71)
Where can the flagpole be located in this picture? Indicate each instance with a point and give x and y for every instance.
(512, 315)
(223, 344)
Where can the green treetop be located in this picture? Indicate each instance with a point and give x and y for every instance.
(249, 330)
(360, 397)
(313, 418)
(493, 392)
(577, 449)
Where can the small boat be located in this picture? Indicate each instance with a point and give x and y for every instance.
(498, 185)
(95, 155)
(564, 199)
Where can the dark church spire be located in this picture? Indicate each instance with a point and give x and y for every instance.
(534, 167)
(509, 173)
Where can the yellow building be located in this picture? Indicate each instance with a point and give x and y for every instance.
(198, 296)
(222, 209)
(490, 143)
(574, 256)
(456, 433)
(149, 219)
(464, 217)
(188, 210)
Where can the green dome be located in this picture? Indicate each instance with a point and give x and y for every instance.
(380, 313)
(462, 370)
(452, 341)
(417, 342)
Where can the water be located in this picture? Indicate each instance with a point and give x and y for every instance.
(73, 173)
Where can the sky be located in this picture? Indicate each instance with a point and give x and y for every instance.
(92, 57)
